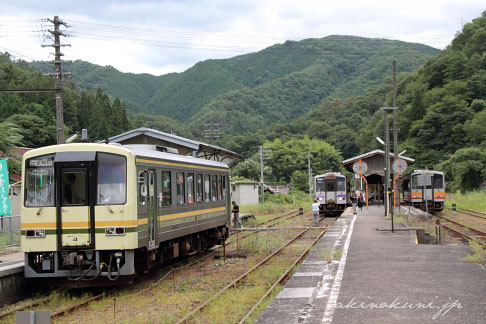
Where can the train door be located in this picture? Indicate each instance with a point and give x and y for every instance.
(75, 206)
(152, 208)
(330, 187)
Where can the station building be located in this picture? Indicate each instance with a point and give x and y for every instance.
(373, 165)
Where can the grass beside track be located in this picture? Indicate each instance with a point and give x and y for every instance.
(177, 294)
(475, 200)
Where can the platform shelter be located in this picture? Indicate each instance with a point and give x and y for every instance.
(373, 169)
(183, 145)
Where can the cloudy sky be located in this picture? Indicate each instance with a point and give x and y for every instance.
(163, 36)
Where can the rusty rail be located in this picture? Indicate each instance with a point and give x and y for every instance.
(19, 308)
(480, 233)
(283, 277)
(241, 277)
(464, 235)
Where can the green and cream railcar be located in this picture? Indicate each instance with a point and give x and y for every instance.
(93, 212)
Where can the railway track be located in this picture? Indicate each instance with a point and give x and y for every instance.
(167, 270)
(474, 234)
(281, 279)
(473, 213)
(58, 313)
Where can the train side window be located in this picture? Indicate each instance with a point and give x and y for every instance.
(224, 188)
(199, 188)
(142, 188)
(207, 188)
(415, 182)
(166, 189)
(181, 192)
(190, 188)
(214, 188)
(220, 189)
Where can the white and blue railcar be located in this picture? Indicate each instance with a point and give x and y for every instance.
(331, 193)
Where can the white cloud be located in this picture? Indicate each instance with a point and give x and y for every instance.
(183, 32)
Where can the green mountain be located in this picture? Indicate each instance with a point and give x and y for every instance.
(332, 67)
(441, 115)
(313, 69)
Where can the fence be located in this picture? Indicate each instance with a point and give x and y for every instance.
(9, 231)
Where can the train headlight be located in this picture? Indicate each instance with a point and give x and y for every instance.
(31, 233)
(40, 233)
(112, 231)
(320, 199)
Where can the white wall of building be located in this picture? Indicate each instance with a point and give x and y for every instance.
(244, 193)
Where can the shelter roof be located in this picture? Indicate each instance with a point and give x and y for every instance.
(184, 145)
(373, 153)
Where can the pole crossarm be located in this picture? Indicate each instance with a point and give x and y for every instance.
(26, 90)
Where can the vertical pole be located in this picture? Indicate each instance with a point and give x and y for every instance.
(310, 176)
(59, 107)
(387, 161)
(395, 135)
(11, 231)
(261, 173)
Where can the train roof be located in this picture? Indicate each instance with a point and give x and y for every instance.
(336, 174)
(136, 150)
(150, 151)
(426, 171)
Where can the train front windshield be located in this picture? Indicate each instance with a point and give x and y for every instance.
(341, 186)
(40, 182)
(438, 181)
(40, 188)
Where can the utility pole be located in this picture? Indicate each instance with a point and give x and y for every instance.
(264, 155)
(310, 176)
(211, 132)
(58, 74)
(261, 173)
(395, 137)
(387, 161)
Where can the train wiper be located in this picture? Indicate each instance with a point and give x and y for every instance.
(105, 202)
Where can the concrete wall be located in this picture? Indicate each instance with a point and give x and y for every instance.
(14, 286)
(244, 193)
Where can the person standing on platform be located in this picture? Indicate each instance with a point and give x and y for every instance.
(236, 215)
(360, 201)
(354, 201)
(315, 213)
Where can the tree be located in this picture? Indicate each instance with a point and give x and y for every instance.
(299, 180)
(290, 156)
(10, 137)
(36, 132)
(465, 169)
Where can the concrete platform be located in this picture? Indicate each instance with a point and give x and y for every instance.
(380, 277)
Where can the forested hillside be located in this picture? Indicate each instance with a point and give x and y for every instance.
(321, 95)
(34, 114)
(442, 113)
(266, 85)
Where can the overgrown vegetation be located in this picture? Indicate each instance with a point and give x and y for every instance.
(474, 200)
(479, 253)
